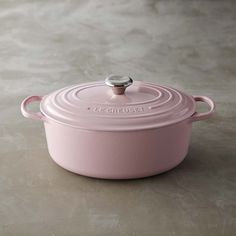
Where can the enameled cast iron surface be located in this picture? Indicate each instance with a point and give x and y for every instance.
(118, 129)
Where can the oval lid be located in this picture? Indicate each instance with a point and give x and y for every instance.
(117, 106)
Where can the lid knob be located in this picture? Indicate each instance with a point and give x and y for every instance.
(118, 83)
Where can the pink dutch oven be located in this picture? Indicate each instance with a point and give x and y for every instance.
(119, 129)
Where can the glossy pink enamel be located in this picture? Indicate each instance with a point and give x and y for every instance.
(94, 106)
(118, 155)
(94, 132)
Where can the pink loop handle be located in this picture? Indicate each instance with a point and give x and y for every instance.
(205, 115)
(28, 114)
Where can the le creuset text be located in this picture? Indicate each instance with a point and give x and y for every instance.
(116, 110)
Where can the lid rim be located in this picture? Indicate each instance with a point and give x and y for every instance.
(48, 118)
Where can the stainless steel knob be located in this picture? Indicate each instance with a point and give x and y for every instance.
(118, 83)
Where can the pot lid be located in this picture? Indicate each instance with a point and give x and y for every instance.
(119, 104)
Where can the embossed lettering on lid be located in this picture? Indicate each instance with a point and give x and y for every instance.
(96, 106)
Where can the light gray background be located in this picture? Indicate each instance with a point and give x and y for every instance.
(46, 45)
